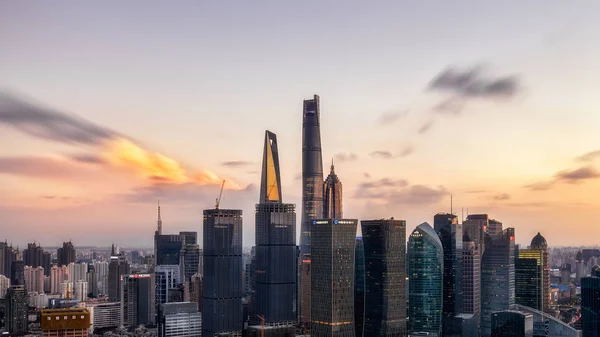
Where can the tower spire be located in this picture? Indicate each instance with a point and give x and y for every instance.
(159, 222)
(112, 250)
(332, 167)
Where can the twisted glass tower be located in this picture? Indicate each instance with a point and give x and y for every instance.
(312, 196)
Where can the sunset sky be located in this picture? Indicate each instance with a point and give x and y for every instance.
(106, 107)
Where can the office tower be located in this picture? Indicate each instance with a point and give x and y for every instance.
(450, 233)
(34, 279)
(189, 238)
(529, 278)
(137, 300)
(17, 273)
(102, 271)
(579, 268)
(385, 277)
(16, 310)
(471, 279)
(105, 316)
(462, 325)
(135, 257)
(222, 261)
(80, 291)
(511, 323)
(179, 320)
(92, 280)
(425, 274)
(539, 242)
(72, 322)
(4, 285)
(66, 254)
(196, 291)
(494, 227)
(475, 228)
(497, 277)
(35, 256)
(312, 196)
(590, 304)
(189, 260)
(167, 247)
(165, 278)
(332, 277)
(359, 287)
(7, 255)
(275, 244)
(117, 267)
(57, 276)
(332, 196)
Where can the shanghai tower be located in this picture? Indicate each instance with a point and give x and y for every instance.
(276, 277)
(312, 195)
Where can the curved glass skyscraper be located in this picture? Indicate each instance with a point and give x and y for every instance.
(312, 195)
(425, 284)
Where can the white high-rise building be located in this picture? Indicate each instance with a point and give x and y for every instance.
(80, 290)
(77, 271)
(58, 275)
(102, 272)
(66, 288)
(4, 285)
(34, 279)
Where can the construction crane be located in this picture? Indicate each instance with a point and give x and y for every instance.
(218, 201)
(262, 325)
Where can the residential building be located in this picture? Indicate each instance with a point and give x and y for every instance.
(179, 320)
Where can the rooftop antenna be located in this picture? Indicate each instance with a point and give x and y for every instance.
(159, 222)
(218, 200)
(462, 215)
(451, 205)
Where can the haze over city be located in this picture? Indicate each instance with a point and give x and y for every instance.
(103, 111)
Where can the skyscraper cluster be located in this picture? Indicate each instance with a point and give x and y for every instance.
(459, 277)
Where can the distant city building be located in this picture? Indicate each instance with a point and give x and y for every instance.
(165, 278)
(117, 267)
(7, 255)
(497, 277)
(462, 325)
(425, 273)
(471, 276)
(590, 304)
(565, 274)
(312, 197)
(77, 271)
(40, 300)
(34, 279)
(222, 261)
(276, 262)
(167, 247)
(80, 290)
(529, 278)
(475, 228)
(92, 280)
(332, 196)
(72, 322)
(450, 233)
(189, 238)
(105, 316)
(385, 277)
(4, 285)
(196, 287)
(35, 256)
(179, 320)
(539, 242)
(332, 277)
(137, 300)
(359, 287)
(16, 310)
(66, 254)
(17, 273)
(494, 227)
(189, 259)
(511, 323)
(579, 268)
(66, 289)
(58, 275)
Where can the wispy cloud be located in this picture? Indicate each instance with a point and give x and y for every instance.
(390, 118)
(425, 127)
(590, 156)
(41, 167)
(407, 150)
(345, 157)
(236, 163)
(575, 176)
(399, 192)
(382, 154)
(501, 197)
(384, 182)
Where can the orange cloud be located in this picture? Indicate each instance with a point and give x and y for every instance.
(123, 153)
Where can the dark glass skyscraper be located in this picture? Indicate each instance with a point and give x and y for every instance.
(450, 233)
(222, 270)
(16, 310)
(590, 304)
(167, 247)
(529, 271)
(332, 277)
(385, 277)
(117, 267)
(425, 280)
(35, 256)
(359, 287)
(66, 254)
(17, 273)
(276, 257)
(137, 300)
(539, 242)
(332, 196)
(312, 196)
(497, 277)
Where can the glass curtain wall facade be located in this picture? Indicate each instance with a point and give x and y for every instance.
(385, 277)
(450, 233)
(425, 273)
(359, 286)
(529, 278)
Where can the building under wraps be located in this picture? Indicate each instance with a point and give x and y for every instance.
(70, 322)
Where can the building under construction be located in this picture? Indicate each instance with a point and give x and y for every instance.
(69, 322)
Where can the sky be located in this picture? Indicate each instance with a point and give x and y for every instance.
(107, 107)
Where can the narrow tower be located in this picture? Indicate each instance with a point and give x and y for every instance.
(332, 196)
(312, 195)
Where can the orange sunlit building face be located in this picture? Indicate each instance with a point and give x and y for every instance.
(71, 322)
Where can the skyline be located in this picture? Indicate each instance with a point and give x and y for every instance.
(504, 121)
